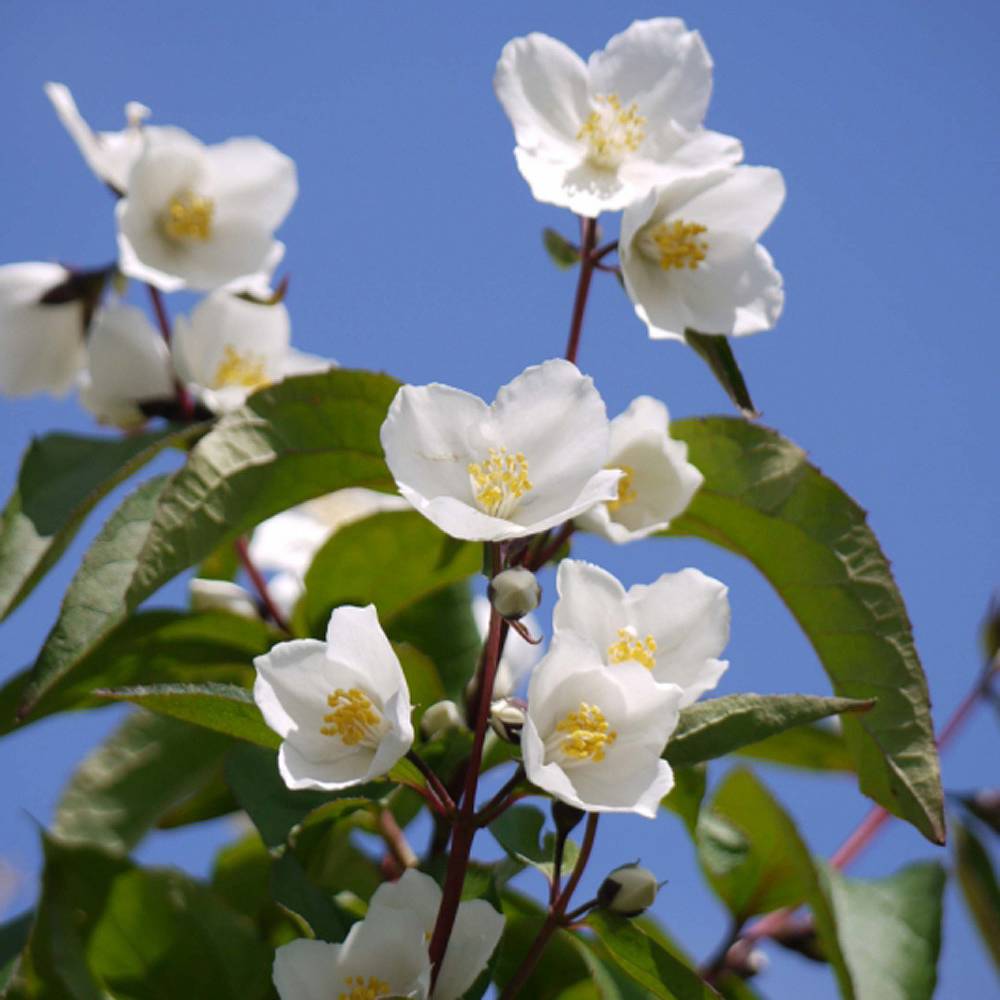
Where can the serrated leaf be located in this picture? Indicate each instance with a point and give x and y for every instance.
(978, 881)
(561, 251)
(125, 785)
(717, 352)
(889, 930)
(763, 500)
(718, 726)
(303, 437)
(223, 708)
(756, 861)
(62, 478)
(644, 960)
(811, 748)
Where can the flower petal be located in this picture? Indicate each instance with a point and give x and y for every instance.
(304, 970)
(591, 603)
(251, 180)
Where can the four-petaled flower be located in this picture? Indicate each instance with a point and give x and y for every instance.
(341, 707)
(658, 481)
(597, 136)
(690, 257)
(675, 627)
(532, 460)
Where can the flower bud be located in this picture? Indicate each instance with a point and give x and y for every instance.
(628, 890)
(221, 595)
(507, 718)
(514, 592)
(442, 717)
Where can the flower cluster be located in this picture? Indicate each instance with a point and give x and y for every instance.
(188, 216)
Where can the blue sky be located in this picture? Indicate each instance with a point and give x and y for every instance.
(414, 248)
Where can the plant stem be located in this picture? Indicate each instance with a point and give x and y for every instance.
(563, 535)
(260, 584)
(556, 916)
(501, 800)
(396, 840)
(588, 241)
(434, 783)
(160, 309)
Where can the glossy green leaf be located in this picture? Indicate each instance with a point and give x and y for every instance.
(763, 500)
(810, 748)
(62, 478)
(716, 351)
(519, 832)
(889, 930)
(756, 861)
(125, 785)
(561, 251)
(298, 439)
(718, 726)
(292, 889)
(223, 708)
(978, 881)
(644, 960)
(211, 799)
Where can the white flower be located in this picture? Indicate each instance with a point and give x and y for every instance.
(287, 543)
(690, 257)
(476, 933)
(593, 737)
(231, 347)
(42, 344)
(384, 957)
(201, 217)
(127, 363)
(341, 707)
(658, 481)
(222, 595)
(533, 459)
(519, 655)
(675, 627)
(597, 136)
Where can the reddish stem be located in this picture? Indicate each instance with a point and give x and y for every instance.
(160, 309)
(260, 584)
(589, 228)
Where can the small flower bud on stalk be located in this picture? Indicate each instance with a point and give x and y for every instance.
(442, 717)
(514, 593)
(507, 718)
(628, 891)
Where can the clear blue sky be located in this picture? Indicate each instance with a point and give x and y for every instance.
(414, 248)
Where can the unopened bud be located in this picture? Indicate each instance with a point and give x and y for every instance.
(514, 593)
(507, 718)
(628, 890)
(221, 595)
(442, 717)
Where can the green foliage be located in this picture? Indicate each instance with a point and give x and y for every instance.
(763, 500)
(719, 726)
(519, 832)
(62, 478)
(716, 351)
(811, 748)
(561, 252)
(978, 881)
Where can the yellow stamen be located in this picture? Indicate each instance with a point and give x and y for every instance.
(361, 990)
(677, 245)
(353, 718)
(586, 733)
(500, 481)
(188, 216)
(626, 493)
(612, 131)
(630, 647)
(245, 370)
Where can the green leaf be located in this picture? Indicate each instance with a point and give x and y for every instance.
(295, 892)
(685, 798)
(714, 728)
(561, 251)
(812, 748)
(303, 437)
(151, 647)
(756, 861)
(717, 352)
(211, 799)
(392, 560)
(62, 478)
(519, 832)
(763, 500)
(13, 937)
(646, 961)
(890, 930)
(978, 880)
(223, 708)
(129, 781)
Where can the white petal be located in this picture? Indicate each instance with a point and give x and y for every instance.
(292, 685)
(301, 363)
(570, 655)
(222, 595)
(391, 948)
(288, 541)
(355, 637)
(637, 785)
(591, 604)
(414, 893)
(304, 970)
(473, 940)
(762, 295)
(549, 777)
(300, 771)
(251, 180)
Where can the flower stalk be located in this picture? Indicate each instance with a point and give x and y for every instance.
(588, 241)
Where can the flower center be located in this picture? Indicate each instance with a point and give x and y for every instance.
(361, 990)
(626, 492)
(611, 131)
(246, 370)
(353, 719)
(585, 733)
(188, 216)
(500, 481)
(676, 245)
(630, 647)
